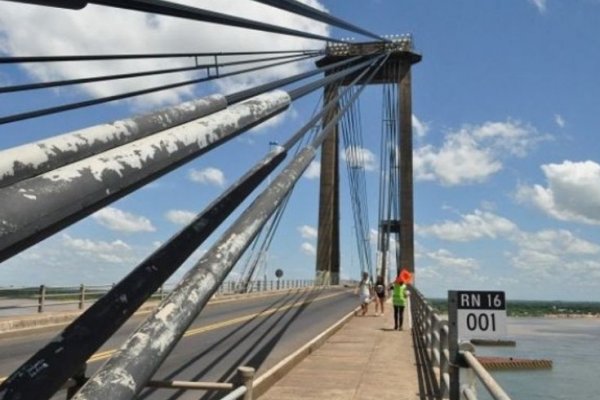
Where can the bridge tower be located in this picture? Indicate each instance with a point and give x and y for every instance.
(397, 69)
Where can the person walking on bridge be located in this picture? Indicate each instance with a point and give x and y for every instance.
(379, 295)
(365, 291)
(399, 295)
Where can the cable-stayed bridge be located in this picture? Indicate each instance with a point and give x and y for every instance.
(52, 183)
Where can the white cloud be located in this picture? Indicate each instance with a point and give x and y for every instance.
(544, 253)
(478, 225)
(86, 31)
(359, 157)
(113, 252)
(313, 171)
(420, 128)
(474, 153)
(308, 232)
(539, 4)
(119, 220)
(308, 249)
(558, 242)
(208, 175)
(572, 192)
(560, 121)
(180, 217)
(445, 259)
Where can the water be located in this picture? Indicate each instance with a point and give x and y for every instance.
(573, 344)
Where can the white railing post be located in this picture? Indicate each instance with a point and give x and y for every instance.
(470, 379)
(247, 374)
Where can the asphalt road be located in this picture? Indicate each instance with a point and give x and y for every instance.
(256, 332)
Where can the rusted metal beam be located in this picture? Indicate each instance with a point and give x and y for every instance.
(22, 162)
(80, 339)
(38, 207)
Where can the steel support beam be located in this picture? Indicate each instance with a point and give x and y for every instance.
(22, 162)
(407, 248)
(141, 355)
(65, 354)
(139, 358)
(36, 208)
(401, 58)
(328, 261)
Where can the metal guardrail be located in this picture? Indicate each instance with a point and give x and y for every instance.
(44, 297)
(245, 375)
(434, 332)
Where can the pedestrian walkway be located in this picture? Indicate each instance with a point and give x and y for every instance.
(364, 360)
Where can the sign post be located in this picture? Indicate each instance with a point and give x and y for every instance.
(472, 315)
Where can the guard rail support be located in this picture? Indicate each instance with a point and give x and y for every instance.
(488, 381)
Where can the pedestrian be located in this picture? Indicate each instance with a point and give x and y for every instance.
(365, 291)
(399, 295)
(379, 295)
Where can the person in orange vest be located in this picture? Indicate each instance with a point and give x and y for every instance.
(399, 294)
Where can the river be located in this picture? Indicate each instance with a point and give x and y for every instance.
(573, 344)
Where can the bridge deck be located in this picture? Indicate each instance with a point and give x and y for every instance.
(365, 359)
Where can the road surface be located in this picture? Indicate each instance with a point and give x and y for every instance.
(257, 332)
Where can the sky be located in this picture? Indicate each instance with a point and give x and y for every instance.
(506, 161)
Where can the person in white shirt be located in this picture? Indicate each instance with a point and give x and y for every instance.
(365, 291)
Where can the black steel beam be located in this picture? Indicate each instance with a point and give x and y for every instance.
(318, 15)
(77, 342)
(102, 100)
(198, 14)
(139, 358)
(105, 57)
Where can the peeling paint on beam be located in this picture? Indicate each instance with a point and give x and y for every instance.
(64, 355)
(40, 206)
(139, 356)
(22, 162)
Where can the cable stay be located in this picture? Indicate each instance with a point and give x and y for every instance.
(112, 57)
(351, 128)
(302, 9)
(256, 260)
(128, 167)
(389, 183)
(215, 66)
(104, 317)
(101, 100)
(178, 10)
(200, 282)
(45, 188)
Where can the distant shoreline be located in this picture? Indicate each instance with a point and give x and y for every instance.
(559, 315)
(539, 309)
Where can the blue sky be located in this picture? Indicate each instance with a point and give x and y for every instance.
(507, 165)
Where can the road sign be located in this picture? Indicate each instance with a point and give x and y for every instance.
(480, 314)
(278, 273)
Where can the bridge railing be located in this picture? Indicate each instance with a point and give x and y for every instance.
(242, 388)
(432, 330)
(44, 297)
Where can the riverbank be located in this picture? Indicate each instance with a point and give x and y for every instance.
(538, 309)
